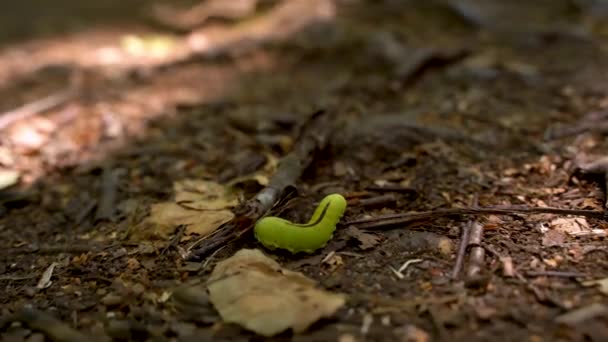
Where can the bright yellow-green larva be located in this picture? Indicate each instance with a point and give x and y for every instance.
(275, 232)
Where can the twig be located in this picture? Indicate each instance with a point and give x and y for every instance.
(422, 60)
(593, 122)
(58, 249)
(462, 248)
(106, 207)
(392, 188)
(313, 137)
(175, 240)
(464, 241)
(36, 107)
(388, 221)
(85, 211)
(554, 274)
(477, 256)
(383, 200)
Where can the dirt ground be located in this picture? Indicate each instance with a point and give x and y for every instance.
(439, 104)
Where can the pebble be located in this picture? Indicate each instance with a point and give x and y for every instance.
(111, 299)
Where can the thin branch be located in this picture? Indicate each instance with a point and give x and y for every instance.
(35, 108)
(464, 241)
(387, 221)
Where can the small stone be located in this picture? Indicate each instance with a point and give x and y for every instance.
(120, 330)
(347, 338)
(30, 291)
(411, 333)
(445, 246)
(138, 289)
(183, 329)
(133, 264)
(35, 337)
(111, 299)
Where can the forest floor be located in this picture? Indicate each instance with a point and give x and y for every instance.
(124, 141)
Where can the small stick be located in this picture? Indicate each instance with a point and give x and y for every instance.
(386, 221)
(593, 122)
(383, 200)
(105, 209)
(464, 240)
(391, 188)
(478, 253)
(34, 108)
(85, 211)
(462, 248)
(554, 274)
(175, 240)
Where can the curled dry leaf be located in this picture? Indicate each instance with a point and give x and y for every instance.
(253, 291)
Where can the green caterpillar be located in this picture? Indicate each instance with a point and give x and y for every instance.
(275, 232)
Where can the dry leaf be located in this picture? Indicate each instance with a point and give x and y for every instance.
(603, 284)
(366, 240)
(253, 291)
(592, 203)
(8, 178)
(257, 178)
(333, 262)
(554, 238)
(165, 217)
(45, 280)
(200, 206)
(570, 225)
(203, 195)
(583, 314)
(411, 333)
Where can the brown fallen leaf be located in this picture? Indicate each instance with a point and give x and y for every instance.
(554, 238)
(570, 225)
(253, 291)
(366, 240)
(333, 261)
(200, 206)
(165, 217)
(203, 195)
(602, 284)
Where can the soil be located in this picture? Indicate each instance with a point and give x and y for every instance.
(440, 104)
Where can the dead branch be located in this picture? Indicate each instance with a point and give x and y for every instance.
(313, 136)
